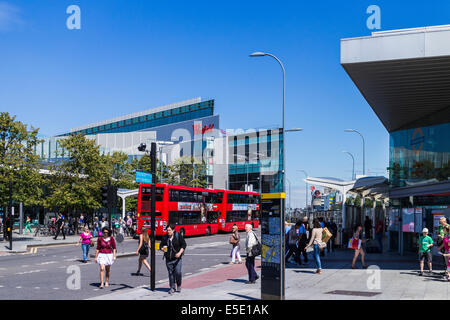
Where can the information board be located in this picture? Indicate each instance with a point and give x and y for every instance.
(272, 241)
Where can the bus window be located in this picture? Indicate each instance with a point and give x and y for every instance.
(174, 195)
(219, 197)
(146, 194)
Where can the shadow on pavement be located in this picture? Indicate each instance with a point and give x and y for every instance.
(242, 296)
(237, 280)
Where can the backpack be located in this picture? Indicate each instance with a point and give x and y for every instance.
(293, 237)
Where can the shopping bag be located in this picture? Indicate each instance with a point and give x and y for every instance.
(326, 235)
(354, 244)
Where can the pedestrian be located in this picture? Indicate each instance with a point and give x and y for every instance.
(292, 243)
(446, 244)
(129, 222)
(303, 240)
(379, 231)
(105, 255)
(28, 225)
(85, 241)
(322, 225)
(104, 223)
(96, 227)
(358, 249)
(143, 250)
(75, 225)
(250, 242)
(60, 226)
(425, 244)
(316, 240)
(440, 239)
(70, 220)
(121, 226)
(368, 227)
(287, 228)
(173, 245)
(235, 242)
(332, 227)
(82, 219)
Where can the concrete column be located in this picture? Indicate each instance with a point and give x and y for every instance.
(123, 207)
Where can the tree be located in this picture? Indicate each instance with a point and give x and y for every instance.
(18, 162)
(186, 171)
(77, 180)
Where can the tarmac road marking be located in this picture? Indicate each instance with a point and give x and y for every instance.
(48, 262)
(18, 287)
(27, 272)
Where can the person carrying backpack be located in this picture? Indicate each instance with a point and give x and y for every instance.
(293, 238)
(173, 246)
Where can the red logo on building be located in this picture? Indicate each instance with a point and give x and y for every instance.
(198, 129)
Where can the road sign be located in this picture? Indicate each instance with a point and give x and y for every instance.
(143, 177)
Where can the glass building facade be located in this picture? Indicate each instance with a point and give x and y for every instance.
(420, 155)
(255, 159)
(152, 119)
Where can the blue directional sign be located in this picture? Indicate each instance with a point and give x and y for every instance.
(143, 177)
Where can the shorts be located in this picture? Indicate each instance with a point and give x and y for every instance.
(425, 255)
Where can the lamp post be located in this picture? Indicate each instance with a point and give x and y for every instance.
(306, 190)
(289, 200)
(353, 170)
(364, 148)
(262, 54)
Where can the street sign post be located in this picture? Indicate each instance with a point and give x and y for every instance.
(273, 244)
(152, 222)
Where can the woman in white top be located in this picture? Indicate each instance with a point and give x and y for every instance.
(316, 238)
(357, 236)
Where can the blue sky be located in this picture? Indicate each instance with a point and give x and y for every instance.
(131, 55)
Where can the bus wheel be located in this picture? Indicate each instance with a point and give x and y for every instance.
(208, 231)
(182, 232)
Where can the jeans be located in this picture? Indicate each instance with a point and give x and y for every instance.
(250, 265)
(85, 248)
(379, 237)
(174, 269)
(317, 256)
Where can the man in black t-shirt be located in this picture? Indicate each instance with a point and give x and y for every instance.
(60, 226)
(173, 245)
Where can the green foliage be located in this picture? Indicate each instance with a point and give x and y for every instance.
(186, 171)
(76, 181)
(18, 162)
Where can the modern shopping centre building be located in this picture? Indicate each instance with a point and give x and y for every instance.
(235, 159)
(404, 75)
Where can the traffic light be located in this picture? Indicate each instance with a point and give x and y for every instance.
(112, 196)
(105, 196)
(109, 196)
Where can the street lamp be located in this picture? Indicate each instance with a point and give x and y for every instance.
(364, 148)
(353, 170)
(306, 190)
(262, 54)
(289, 201)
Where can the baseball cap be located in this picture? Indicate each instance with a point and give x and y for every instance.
(425, 230)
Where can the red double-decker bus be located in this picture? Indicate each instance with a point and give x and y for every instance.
(238, 208)
(193, 211)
